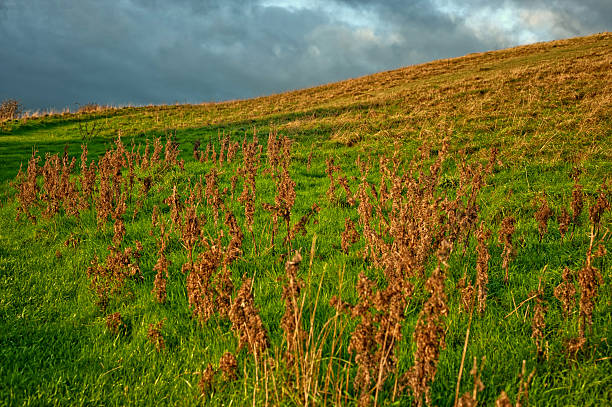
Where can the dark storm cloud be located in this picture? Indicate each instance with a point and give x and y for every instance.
(54, 53)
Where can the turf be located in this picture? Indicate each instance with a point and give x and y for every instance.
(546, 107)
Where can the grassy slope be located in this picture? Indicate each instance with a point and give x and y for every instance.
(545, 106)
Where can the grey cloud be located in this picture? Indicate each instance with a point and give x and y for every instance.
(58, 52)
(565, 17)
(553, 18)
(577, 17)
(597, 14)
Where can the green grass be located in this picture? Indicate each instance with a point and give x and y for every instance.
(56, 349)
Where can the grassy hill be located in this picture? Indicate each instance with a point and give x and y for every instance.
(445, 214)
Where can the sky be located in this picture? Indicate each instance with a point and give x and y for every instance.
(61, 53)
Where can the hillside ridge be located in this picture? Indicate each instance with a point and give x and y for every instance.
(360, 243)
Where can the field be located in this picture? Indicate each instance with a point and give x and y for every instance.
(434, 235)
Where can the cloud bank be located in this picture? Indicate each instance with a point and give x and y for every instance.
(55, 53)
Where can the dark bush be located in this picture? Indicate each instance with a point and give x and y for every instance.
(10, 109)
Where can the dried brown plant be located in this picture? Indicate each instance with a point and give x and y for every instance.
(157, 150)
(542, 215)
(291, 320)
(329, 170)
(171, 152)
(249, 170)
(470, 399)
(119, 225)
(213, 197)
(228, 365)
(246, 322)
(375, 338)
(196, 150)
(283, 201)
(577, 202)
(566, 292)
(505, 237)
(88, 178)
(343, 181)
(363, 345)
(27, 188)
(285, 196)
(273, 150)
(156, 337)
(538, 322)
(482, 267)
(154, 219)
(365, 209)
(350, 235)
(161, 269)
(523, 390)
(190, 229)
(575, 345)
(213, 154)
(207, 378)
(109, 277)
(144, 163)
(522, 398)
(467, 291)
(234, 247)
(600, 206)
(503, 400)
(200, 292)
(10, 109)
(132, 158)
(104, 202)
(58, 191)
(232, 149)
(223, 141)
(589, 280)
(159, 285)
(429, 333)
(300, 226)
(144, 191)
(114, 323)
(174, 202)
(72, 241)
(224, 287)
(564, 222)
(273, 210)
(117, 160)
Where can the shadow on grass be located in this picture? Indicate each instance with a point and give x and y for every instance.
(15, 153)
(42, 353)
